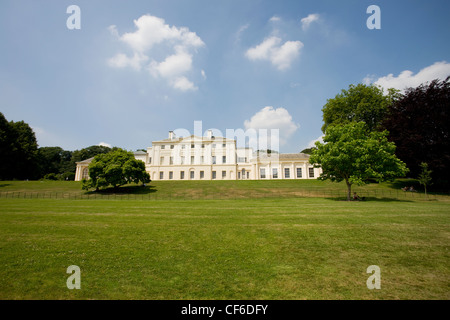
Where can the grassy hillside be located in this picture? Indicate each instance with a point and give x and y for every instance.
(298, 248)
(184, 190)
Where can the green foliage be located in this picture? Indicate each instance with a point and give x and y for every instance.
(115, 168)
(366, 103)
(308, 150)
(425, 176)
(18, 149)
(353, 154)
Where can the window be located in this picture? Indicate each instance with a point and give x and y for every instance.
(263, 173)
(203, 146)
(161, 160)
(192, 146)
(224, 159)
(248, 175)
(214, 160)
(311, 172)
(192, 159)
(213, 145)
(275, 173)
(224, 174)
(183, 146)
(170, 175)
(241, 159)
(181, 175)
(150, 160)
(239, 175)
(202, 159)
(223, 145)
(287, 173)
(85, 174)
(171, 160)
(214, 175)
(299, 172)
(163, 147)
(161, 175)
(171, 146)
(182, 160)
(192, 174)
(202, 174)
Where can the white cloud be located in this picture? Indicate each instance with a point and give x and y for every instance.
(153, 30)
(183, 84)
(173, 66)
(177, 44)
(203, 74)
(270, 118)
(312, 143)
(104, 144)
(279, 55)
(407, 79)
(306, 22)
(274, 19)
(121, 60)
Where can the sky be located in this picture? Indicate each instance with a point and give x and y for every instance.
(125, 73)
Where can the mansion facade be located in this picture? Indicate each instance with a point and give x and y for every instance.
(214, 158)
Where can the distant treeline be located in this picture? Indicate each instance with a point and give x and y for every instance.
(21, 158)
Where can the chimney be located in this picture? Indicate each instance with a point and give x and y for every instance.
(171, 135)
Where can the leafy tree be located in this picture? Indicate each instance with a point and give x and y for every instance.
(18, 147)
(419, 125)
(425, 176)
(115, 168)
(308, 150)
(5, 148)
(366, 103)
(353, 154)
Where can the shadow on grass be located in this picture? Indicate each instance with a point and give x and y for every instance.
(138, 190)
(370, 199)
(4, 185)
(432, 190)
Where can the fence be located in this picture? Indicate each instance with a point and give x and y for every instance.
(230, 194)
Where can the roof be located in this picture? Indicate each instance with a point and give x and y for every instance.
(191, 138)
(86, 161)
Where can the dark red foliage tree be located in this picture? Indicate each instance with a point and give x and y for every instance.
(419, 125)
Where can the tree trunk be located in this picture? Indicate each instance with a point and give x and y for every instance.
(349, 189)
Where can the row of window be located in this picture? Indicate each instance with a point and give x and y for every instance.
(183, 146)
(287, 173)
(183, 160)
(192, 175)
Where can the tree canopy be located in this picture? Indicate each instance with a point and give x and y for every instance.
(18, 148)
(115, 168)
(360, 103)
(419, 124)
(353, 154)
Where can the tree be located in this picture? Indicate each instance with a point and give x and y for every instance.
(308, 150)
(353, 154)
(425, 176)
(419, 125)
(115, 168)
(366, 103)
(18, 149)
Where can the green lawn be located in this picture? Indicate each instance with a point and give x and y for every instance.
(257, 248)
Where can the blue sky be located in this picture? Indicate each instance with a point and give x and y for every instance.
(137, 69)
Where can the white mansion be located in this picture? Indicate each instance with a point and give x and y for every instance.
(214, 158)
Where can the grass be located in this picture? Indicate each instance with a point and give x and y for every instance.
(218, 190)
(259, 248)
